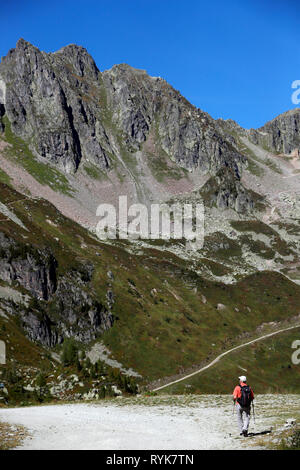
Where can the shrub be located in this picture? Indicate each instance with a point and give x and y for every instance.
(292, 442)
(69, 353)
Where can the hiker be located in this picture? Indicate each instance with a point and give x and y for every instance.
(243, 396)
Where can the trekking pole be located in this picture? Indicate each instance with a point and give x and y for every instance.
(253, 412)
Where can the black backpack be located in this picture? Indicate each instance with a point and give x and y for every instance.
(245, 400)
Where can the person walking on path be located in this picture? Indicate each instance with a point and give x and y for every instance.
(243, 396)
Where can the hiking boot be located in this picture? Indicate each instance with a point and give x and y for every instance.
(245, 433)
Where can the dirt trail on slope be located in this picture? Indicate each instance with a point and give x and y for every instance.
(217, 359)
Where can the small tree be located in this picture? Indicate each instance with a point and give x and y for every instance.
(41, 383)
(69, 353)
(131, 385)
(93, 371)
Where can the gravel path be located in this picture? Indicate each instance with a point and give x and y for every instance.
(99, 426)
(186, 422)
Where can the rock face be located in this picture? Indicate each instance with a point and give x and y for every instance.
(2, 112)
(82, 316)
(64, 304)
(44, 103)
(226, 191)
(32, 269)
(69, 112)
(40, 328)
(141, 103)
(281, 135)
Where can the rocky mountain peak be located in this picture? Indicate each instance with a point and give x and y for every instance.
(77, 56)
(23, 44)
(281, 134)
(69, 112)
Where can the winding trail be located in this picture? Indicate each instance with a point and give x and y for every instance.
(224, 354)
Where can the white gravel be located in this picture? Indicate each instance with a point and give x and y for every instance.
(164, 422)
(180, 423)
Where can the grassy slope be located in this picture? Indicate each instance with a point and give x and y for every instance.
(267, 364)
(162, 325)
(21, 349)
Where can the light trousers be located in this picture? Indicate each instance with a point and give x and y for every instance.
(243, 417)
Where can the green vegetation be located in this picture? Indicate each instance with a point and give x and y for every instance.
(267, 364)
(291, 229)
(221, 247)
(254, 168)
(11, 436)
(98, 377)
(290, 442)
(258, 247)
(94, 172)
(162, 168)
(253, 158)
(217, 269)
(166, 317)
(69, 355)
(19, 349)
(161, 324)
(13, 379)
(256, 226)
(160, 164)
(42, 392)
(272, 164)
(42, 172)
(4, 178)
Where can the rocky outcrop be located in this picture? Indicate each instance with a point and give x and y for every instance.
(61, 306)
(82, 316)
(226, 191)
(68, 111)
(187, 135)
(33, 269)
(281, 135)
(45, 103)
(40, 328)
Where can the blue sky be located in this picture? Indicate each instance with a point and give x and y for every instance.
(234, 59)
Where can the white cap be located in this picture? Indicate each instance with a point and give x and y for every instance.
(243, 378)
